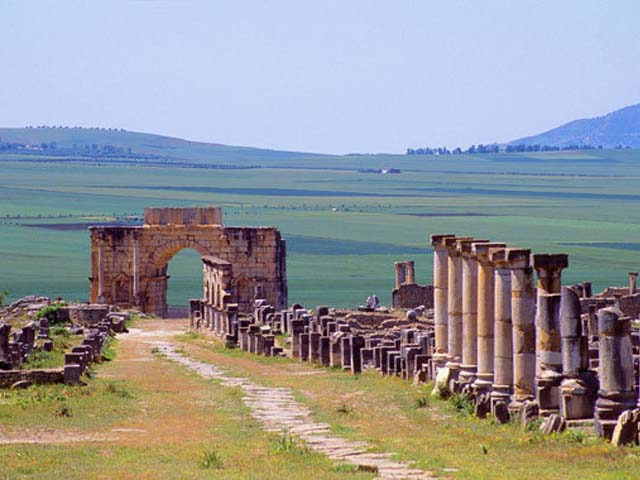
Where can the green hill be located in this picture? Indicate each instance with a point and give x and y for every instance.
(87, 141)
(618, 128)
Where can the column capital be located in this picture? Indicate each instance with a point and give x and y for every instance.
(482, 250)
(518, 258)
(465, 246)
(451, 243)
(438, 240)
(549, 262)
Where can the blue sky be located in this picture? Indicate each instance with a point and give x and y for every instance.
(319, 75)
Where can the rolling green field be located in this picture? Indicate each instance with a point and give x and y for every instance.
(344, 228)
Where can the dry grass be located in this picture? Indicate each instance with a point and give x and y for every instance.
(148, 418)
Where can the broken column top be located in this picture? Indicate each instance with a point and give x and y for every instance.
(518, 257)
(183, 216)
(549, 261)
(483, 250)
(611, 322)
(438, 240)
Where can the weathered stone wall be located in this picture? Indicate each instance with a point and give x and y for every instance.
(129, 264)
(412, 295)
(36, 377)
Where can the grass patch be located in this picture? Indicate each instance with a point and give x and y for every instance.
(461, 404)
(211, 458)
(287, 443)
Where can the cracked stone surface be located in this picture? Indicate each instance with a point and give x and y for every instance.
(277, 410)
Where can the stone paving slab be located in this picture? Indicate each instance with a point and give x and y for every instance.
(277, 410)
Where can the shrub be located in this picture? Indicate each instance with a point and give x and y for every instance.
(63, 410)
(118, 390)
(462, 404)
(422, 401)
(344, 409)
(51, 312)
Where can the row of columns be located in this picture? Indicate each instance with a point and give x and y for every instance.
(485, 317)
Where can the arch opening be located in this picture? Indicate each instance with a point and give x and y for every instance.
(184, 281)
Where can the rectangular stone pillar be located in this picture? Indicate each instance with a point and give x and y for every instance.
(304, 347)
(314, 347)
(334, 358)
(325, 351)
(357, 345)
(297, 327)
(345, 352)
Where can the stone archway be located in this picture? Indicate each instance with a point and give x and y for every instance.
(129, 264)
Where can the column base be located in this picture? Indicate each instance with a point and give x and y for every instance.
(454, 371)
(548, 392)
(439, 360)
(609, 406)
(483, 383)
(467, 376)
(101, 299)
(500, 400)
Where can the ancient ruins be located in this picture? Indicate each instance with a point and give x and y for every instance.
(129, 263)
(519, 348)
(91, 324)
(497, 325)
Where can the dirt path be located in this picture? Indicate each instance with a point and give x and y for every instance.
(277, 410)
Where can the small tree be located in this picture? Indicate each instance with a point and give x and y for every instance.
(3, 296)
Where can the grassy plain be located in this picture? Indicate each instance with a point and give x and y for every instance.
(344, 228)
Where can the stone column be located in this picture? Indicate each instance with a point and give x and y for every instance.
(469, 365)
(523, 319)
(633, 277)
(454, 302)
(101, 298)
(486, 314)
(579, 387)
(616, 392)
(136, 267)
(440, 297)
(503, 336)
(548, 344)
(405, 273)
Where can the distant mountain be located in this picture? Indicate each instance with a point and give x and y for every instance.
(114, 143)
(619, 128)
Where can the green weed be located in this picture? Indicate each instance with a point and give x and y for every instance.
(211, 458)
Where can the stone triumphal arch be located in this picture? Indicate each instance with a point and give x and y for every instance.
(129, 263)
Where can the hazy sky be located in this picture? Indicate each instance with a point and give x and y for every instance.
(319, 75)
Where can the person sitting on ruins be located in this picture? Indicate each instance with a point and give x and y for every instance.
(375, 301)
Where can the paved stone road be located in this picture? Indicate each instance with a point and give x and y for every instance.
(278, 411)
